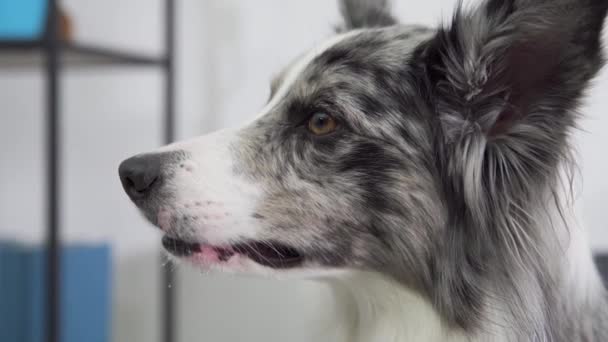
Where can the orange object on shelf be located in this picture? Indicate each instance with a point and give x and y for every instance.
(66, 26)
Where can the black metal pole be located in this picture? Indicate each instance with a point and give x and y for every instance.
(53, 199)
(169, 277)
(170, 71)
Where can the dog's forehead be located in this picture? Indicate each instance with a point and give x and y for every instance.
(290, 75)
(386, 48)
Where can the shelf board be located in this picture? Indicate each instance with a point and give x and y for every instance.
(25, 54)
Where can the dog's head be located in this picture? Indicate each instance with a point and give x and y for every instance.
(389, 148)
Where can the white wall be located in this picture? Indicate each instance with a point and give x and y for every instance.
(228, 50)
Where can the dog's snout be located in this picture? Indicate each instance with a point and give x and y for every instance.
(140, 174)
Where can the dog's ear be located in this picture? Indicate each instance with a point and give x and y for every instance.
(366, 13)
(504, 80)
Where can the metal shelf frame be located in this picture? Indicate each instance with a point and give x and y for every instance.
(55, 55)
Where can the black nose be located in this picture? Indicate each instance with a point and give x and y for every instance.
(140, 174)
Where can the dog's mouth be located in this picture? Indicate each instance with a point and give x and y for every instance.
(266, 253)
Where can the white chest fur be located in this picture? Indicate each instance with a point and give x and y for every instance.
(375, 309)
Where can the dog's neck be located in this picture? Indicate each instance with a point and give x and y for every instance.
(379, 309)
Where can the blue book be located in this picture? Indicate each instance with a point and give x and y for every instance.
(12, 284)
(3, 289)
(86, 307)
(5, 328)
(36, 296)
(85, 293)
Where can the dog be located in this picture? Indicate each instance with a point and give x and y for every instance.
(423, 173)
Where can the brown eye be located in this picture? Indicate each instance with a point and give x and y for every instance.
(322, 124)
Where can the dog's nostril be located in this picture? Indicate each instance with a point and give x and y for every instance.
(139, 174)
(142, 184)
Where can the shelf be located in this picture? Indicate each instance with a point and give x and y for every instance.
(25, 54)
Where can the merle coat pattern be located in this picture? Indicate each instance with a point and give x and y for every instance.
(444, 173)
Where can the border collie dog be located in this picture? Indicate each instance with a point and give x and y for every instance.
(424, 173)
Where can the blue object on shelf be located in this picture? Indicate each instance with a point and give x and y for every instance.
(12, 286)
(22, 19)
(85, 288)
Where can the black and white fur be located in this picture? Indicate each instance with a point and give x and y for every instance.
(440, 208)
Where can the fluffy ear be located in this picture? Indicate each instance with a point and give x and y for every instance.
(366, 13)
(505, 80)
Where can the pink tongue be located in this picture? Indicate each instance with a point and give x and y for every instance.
(211, 254)
(208, 254)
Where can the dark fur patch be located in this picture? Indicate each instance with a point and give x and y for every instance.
(447, 143)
